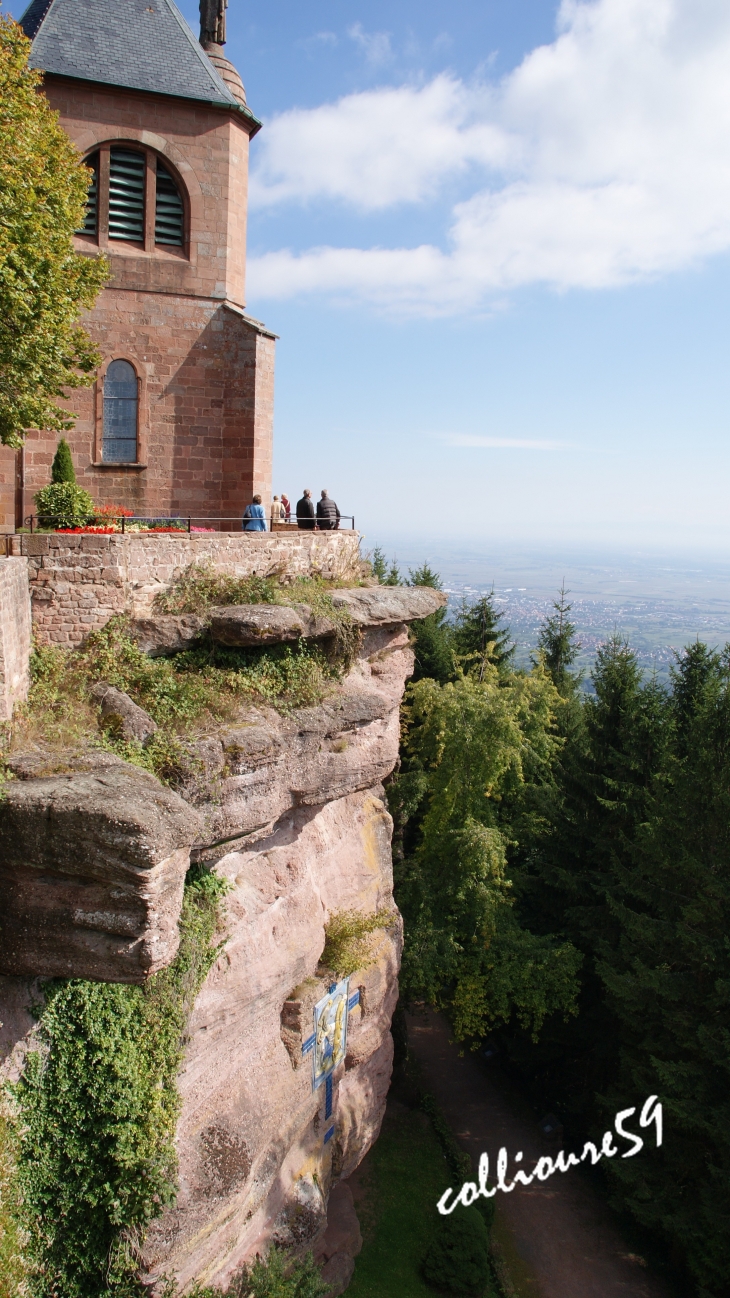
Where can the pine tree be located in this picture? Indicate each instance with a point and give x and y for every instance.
(478, 635)
(668, 983)
(393, 578)
(425, 576)
(62, 469)
(558, 647)
(432, 635)
(379, 565)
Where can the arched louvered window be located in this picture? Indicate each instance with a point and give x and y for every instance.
(121, 401)
(90, 224)
(169, 210)
(134, 197)
(126, 195)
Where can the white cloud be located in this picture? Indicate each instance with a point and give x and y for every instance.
(603, 159)
(376, 148)
(375, 45)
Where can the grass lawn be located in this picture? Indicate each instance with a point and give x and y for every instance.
(400, 1182)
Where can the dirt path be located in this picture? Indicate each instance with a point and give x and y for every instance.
(558, 1237)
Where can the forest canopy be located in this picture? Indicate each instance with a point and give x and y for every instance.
(562, 862)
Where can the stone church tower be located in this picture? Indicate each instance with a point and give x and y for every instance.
(180, 417)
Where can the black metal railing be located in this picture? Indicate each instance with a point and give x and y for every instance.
(175, 523)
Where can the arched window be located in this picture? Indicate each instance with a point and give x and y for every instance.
(121, 402)
(127, 184)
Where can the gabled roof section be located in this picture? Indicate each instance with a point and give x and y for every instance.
(139, 44)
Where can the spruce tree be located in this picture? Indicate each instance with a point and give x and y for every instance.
(432, 635)
(62, 469)
(480, 637)
(668, 983)
(379, 565)
(557, 646)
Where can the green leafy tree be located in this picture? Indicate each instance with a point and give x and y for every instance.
(44, 283)
(471, 748)
(62, 469)
(479, 635)
(277, 1276)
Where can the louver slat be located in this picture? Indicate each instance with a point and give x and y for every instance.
(91, 216)
(126, 195)
(169, 211)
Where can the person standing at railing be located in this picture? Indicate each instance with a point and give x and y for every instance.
(328, 515)
(254, 517)
(305, 512)
(277, 512)
(287, 507)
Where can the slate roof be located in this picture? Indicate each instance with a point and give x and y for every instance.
(140, 44)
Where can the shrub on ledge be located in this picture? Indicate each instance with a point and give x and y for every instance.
(63, 504)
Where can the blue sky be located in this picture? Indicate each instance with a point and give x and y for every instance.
(493, 237)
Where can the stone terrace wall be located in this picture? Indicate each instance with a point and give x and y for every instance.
(78, 582)
(15, 634)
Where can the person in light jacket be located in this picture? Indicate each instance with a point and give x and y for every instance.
(328, 515)
(305, 512)
(277, 512)
(254, 518)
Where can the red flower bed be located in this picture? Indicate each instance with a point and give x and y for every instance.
(114, 511)
(75, 531)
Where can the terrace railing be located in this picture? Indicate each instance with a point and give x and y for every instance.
(190, 523)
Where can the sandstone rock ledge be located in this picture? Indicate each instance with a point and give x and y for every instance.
(291, 811)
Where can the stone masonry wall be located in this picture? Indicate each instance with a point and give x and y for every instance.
(78, 582)
(15, 634)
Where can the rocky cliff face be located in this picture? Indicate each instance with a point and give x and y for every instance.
(290, 810)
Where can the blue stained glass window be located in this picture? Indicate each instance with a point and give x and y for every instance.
(119, 443)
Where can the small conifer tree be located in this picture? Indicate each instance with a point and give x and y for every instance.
(62, 469)
(558, 647)
(479, 635)
(457, 1261)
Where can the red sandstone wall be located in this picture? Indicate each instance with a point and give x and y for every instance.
(208, 148)
(78, 582)
(206, 409)
(206, 371)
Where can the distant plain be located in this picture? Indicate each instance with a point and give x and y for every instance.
(659, 603)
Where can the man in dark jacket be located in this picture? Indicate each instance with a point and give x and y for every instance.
(328, 515)
(305, 512)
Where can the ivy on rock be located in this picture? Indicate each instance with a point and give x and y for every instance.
(98, 1106)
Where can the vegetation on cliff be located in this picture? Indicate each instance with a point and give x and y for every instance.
(44, 283)
(96, 1110)
(186, 693)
